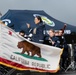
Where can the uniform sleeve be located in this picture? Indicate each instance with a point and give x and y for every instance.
(57, 43)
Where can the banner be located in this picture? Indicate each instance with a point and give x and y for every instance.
(19, 53)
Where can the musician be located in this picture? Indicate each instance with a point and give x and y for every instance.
(64, 45)
(56, 33)
(52, 39)
(22, 33)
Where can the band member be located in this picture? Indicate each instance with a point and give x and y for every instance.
(64, 45)
(22, 33)
(52, 39)
(37, 32)
(56, 33)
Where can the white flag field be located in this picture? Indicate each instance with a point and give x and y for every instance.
(18, 55)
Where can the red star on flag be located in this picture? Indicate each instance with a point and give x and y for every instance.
(10, 32)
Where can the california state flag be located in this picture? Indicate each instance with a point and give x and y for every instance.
(11, 55)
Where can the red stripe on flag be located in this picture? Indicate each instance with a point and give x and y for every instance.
(21, 67)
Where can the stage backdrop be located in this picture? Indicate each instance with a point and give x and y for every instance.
(17, 19)
(10, 54)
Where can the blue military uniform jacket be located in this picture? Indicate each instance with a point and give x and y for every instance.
(39, 36)
(55, 39)
(64, 45)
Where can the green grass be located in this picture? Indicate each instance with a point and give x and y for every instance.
(34, 57)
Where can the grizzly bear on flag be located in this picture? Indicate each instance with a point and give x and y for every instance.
(29, 47)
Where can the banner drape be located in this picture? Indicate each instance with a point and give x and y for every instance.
(10, 54)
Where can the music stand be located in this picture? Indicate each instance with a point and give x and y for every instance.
(70, 39)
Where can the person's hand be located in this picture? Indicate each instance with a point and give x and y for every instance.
(53, 42)
(28, 25)
(30, 35)
(50, 39)
(65, 24)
